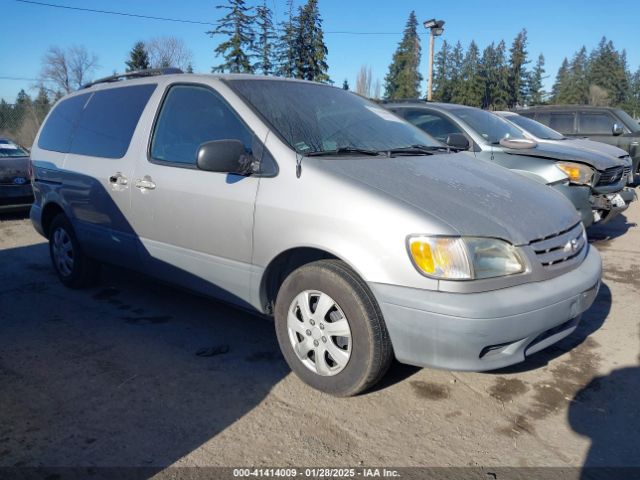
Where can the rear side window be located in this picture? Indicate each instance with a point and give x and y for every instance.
(596, 123)
(109, 120)
(57, 133)
(562, 122)
(190, 116)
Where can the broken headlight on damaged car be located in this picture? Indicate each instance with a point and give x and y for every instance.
(578, 173)
(464, 258)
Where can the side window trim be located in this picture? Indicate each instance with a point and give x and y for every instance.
(158, 111)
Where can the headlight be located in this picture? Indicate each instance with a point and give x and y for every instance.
(578, 173)
(464, 258)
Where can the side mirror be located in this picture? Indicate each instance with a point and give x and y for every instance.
(224, 156)
(617, 129)
(458, 141)
(518, 143)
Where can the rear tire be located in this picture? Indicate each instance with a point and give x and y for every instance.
(73, 267)
(331, 330)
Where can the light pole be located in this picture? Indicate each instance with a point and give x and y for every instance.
(436, 28)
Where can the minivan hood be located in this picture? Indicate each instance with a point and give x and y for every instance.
(474, 197)
(569, 153)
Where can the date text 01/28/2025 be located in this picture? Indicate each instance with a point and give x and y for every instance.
(315, 472)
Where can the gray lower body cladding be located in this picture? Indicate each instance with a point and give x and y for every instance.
(489, 330)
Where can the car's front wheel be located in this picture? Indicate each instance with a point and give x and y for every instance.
(73, 267)
(331, 330)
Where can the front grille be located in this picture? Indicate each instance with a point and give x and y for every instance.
(627, 171)
(611, 175)
(558, 249)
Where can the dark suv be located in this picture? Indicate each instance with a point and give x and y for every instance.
(603, 124)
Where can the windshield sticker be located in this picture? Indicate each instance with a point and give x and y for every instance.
(301, 147)
(388, 116)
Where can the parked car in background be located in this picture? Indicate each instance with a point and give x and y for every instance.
(592, 182)
(358, 232)
(15, 180)
(613, 126)
(581, 150)
(540, 132)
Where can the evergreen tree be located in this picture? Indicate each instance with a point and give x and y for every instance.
(535, 92)
(265, 42)
(138, 58)
(442, 75)
(577, 90)
(403, 79)
(285, 48)
(456, 61)
(345, 84)
(237, 26)
(21, 108)
(517, 73)
(41, 104)
(562, 81)
(608, 70)
(633, 99)
(495, 77)
(309, 47)
(189, 68)
(471, 88)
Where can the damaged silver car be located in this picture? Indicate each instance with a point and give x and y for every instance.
(594, 182)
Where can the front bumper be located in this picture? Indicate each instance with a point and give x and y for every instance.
(488, 330)
(607, 207)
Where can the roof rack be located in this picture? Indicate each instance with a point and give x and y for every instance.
(136, 74)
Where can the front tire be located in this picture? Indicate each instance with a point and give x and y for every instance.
(330, 329)
(73, 267)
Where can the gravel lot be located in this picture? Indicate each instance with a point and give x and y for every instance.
(134, 373)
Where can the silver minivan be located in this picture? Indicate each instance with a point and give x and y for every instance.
(363, 237)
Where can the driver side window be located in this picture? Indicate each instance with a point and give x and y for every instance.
(190, 116)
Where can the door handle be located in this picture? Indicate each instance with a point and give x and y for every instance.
(118, 179)
(145, 183)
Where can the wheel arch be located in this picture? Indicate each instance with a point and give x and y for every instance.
(49, 212)
(286, 262)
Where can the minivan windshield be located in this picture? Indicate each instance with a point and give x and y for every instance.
(315, 119)
(488, 125)
(536, 129)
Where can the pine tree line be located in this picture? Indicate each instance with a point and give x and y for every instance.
(495, 79)
(600, 77)
(253, 44)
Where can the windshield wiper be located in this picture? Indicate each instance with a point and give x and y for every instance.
(417, 150)
(344, 151)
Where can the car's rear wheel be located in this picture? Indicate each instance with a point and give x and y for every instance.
(73, 267)
(331, 330)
